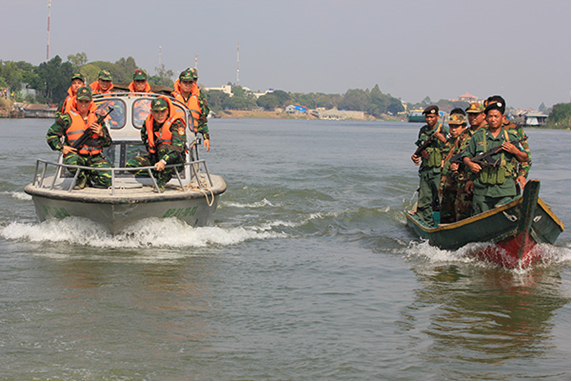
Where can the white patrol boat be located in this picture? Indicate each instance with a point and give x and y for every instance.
(191, 195)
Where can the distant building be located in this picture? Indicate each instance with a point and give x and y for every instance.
(296, 109)
(535, 118)
(468, 98)
(225, 89)
(335, 114)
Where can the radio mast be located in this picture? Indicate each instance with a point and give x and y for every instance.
(49, 15)
(160, 56)
(196, 61)
(238, 63)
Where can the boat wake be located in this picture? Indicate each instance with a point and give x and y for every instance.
(148, 233)
(548, 254)
(18, 195)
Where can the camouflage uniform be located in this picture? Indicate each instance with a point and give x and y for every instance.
(448, 186)
(464, 200)
(57, 133)
(192, 74)
(429, 171)
(169, 153)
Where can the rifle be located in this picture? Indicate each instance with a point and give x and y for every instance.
(485, 159)
(421, 149)
(87, 133)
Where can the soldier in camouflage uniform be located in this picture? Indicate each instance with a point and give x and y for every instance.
(476, 118)
(430, 164)
(449, 180)
(163, 134)
(188, 92)
(523, 167)
(69, 127)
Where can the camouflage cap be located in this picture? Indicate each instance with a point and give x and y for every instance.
(159, 104)
(105, 75)
(475, 107)
(78, 76)
(139, 74)
(433, 109)
(84, 93)
(457, 119)
(188, 75)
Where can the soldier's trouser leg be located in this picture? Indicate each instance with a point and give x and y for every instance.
(139, 161)
(100, 178)
(76, 160)
(428, 188)
(463, 203)
(483, 203)
(449, 191)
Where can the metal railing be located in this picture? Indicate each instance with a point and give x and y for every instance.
(194, 166)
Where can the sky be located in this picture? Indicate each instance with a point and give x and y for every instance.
(411, 49)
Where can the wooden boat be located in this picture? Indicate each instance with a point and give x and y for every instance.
(192, 195)
(513, 230)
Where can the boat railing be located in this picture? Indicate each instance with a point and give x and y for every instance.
(42, 168)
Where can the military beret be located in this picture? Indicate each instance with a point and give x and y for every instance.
(433, 109)
(495, 106)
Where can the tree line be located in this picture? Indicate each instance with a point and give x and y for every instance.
(51, 80)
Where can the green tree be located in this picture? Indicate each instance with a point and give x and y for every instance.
(163, 77)
(56, 77)
(268, 101)
(77, 60)
(560, 115)
(217, 100)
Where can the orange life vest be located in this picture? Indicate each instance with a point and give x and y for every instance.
(192, 102)
(77, 128)
(163, 135)
(146, 90)
(96, 89)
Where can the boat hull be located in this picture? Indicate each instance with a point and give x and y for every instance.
(513, 230)
(130, 203)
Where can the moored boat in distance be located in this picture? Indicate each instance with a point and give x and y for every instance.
(512, 230)
(416, 116)
(192, 195)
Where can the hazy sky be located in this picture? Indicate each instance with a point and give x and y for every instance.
(410, 48)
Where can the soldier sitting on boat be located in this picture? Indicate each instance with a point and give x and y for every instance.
(139, 83)
(77, 81)
(84, 138)
(493, 180)
(163, 134)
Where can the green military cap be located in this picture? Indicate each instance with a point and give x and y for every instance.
(475, 107)
(105, 75)
(84, 93)
(495, 106)
(457, 119)
(159, 104)
(139, 74)
(195, 73)
(78, 76)
(188, 75)
(433, 109)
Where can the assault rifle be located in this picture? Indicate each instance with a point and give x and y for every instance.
(88, 132)
(485, 159)
(421, 149)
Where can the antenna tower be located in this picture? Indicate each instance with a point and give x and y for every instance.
(238, 63)
(160, 55)
(196, 61)
(49, 16)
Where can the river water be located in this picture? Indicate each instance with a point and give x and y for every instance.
(309, 272)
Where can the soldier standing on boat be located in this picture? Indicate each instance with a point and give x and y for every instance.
(71, 126)
(492, 185)
(77, 81)
(476, 118)
(163, 134)
(523, 167)
(103, 84)
(431, 135)
(449, 176)
(188, 92)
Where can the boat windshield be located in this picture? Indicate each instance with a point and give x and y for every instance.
(119, 153)
(142, 108)
(115, 119)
